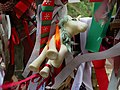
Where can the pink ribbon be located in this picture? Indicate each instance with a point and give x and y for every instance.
(8, 85)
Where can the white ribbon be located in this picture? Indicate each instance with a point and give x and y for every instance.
(113, 82)
(84, 70)
(112, 52)
(59, 12)
(73, 1)
(6, 24)
(78, 78)
(2, 74)
(35, 52)
(118, 36)
(83, 75)
(9, 25)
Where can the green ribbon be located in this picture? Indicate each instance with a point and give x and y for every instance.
(97, 31)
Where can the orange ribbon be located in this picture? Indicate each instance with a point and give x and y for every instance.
(57, 38)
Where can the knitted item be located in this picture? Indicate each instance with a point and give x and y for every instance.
(47, 11)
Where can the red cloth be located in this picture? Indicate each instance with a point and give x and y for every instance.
(100, 72)
(21, 7)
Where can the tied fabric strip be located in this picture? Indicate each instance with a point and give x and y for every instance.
(95, 0)
(36, 48)
(27, 33)
(14, 41)
(57, 38)
(112, 52)
(32, 77)
(21, 7)
(97, 32)
(100, 72)
(100, 23)
(8, 85)
(5, 20)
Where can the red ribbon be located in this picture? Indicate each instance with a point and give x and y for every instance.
(46, 79)
(95, 0)
(14, 41)
(25, 81)
(48, 65)
(22, 6)
(27, 33)
(100, 71)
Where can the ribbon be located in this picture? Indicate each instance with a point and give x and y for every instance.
(99, 28)
(95, 0)
(100, 72)
(22, 6)
(9, 85)
(112, 52)
(73, 1)
(5, 31)
(14, 41)
(36, 48)
(32, 78)
(57, 38)
(27, 33)
(117, 59)
(113, 82)
(48, 65)
(83, 75)
(5, 20)
(84, 71)
(46, 79)
(47, 16)
(96, 32)
(58, 12)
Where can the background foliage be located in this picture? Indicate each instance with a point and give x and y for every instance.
(83, 8)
